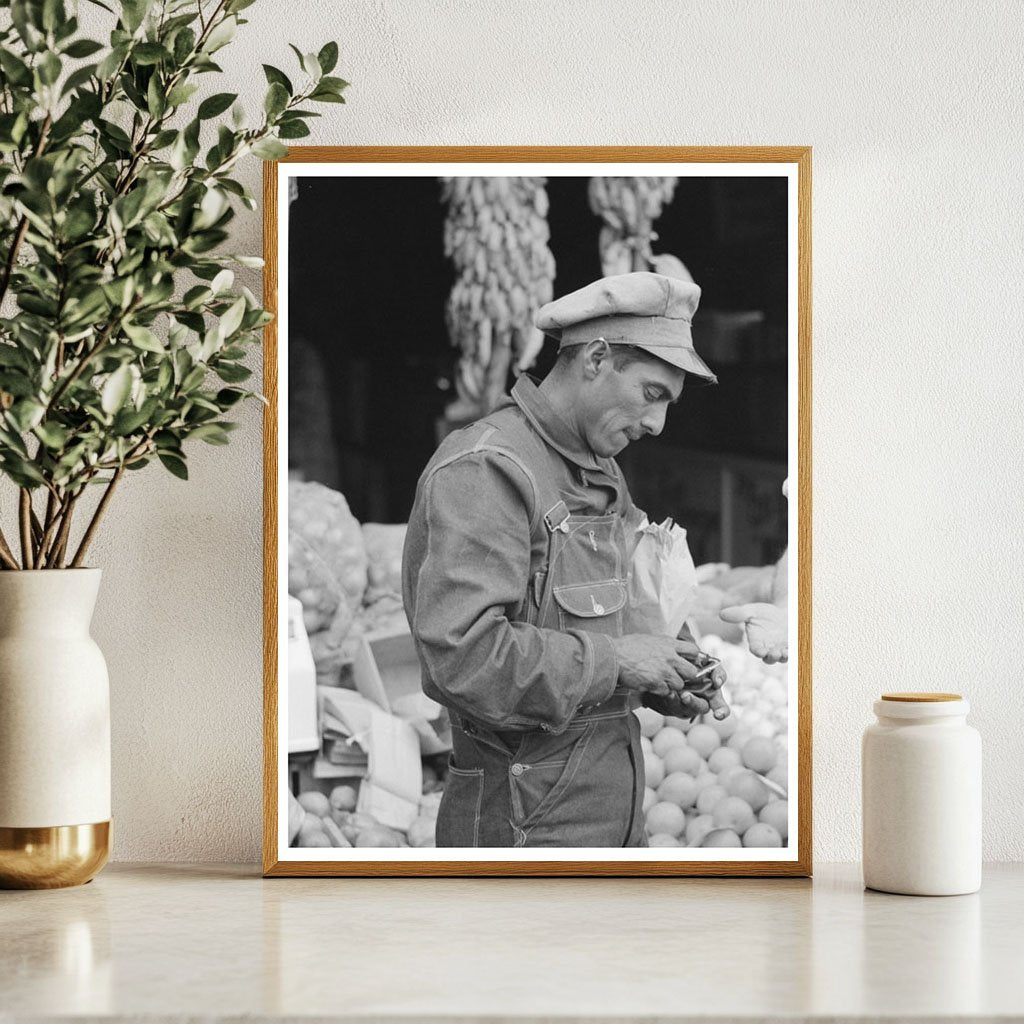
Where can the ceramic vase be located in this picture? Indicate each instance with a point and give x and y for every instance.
(54, 731)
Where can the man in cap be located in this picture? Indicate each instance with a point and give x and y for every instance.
(515, 582)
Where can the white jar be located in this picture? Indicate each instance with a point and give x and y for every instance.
(921, 792)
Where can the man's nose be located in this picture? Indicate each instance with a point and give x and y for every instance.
(654, 421)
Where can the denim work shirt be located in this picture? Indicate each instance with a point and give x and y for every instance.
(475, 545)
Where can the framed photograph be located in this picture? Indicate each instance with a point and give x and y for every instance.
(538, 511)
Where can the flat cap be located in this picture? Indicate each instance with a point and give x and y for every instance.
(650, 311)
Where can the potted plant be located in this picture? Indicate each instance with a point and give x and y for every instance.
(122, 340)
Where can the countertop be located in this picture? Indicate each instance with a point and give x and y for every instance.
(175, 942)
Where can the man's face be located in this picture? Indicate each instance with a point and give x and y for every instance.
(619, 406)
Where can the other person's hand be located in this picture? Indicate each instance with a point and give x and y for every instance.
(767, 627)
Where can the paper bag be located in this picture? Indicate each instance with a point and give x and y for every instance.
(663, 581)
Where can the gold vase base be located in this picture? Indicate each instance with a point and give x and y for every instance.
(53, 857)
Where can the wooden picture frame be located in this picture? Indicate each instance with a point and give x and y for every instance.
(791, 163)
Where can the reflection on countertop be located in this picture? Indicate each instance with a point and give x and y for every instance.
(175, 941)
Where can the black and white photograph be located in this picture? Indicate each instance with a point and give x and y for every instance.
(538, 470)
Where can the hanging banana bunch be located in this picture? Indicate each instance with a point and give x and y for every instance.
(496, 234)
(629, 207)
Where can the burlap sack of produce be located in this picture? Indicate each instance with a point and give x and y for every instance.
(384, 545)
(326, 570)
(322, 518)
(311, 581)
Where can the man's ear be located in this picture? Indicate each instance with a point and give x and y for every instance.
(596, 354)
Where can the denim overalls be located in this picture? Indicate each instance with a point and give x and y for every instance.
(582, 787)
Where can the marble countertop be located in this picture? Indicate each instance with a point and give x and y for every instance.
(183, 941)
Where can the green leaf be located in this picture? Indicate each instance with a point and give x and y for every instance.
(276, 99)
(221, 35)
(214, 105)
(278, 77)
(227, 397)
(53, 435)
(87, 309)
(26, 413)
(193, 379)
(12, 356)
(269, 149)
(116, 390)
(311, 65)
(156, 101)
(109, 65)
(49, 68)
(293, 130)
(232, 319)
(333, 84)
(21, 471)
(211, 433)
(234, 6)
(162, 139)
(232, 373)
(211, 344)
(134, 13)
(119, 291)
(116, 133)
(83, 48)
(167, 441)
(222, 282)
(128, 421)
(11, 442)
(181, 94)
(164, 375)
(144, 338)
(26, 20)
(14, 68)
(149, 53)
(35, 304)
(175, 465)
(184, 44)
(77, 79)
(322, 96)
(16, 383)
(193, 321)
(328, 58)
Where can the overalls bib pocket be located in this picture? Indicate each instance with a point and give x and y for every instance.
(595, 607)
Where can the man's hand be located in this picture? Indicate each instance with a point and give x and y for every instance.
(671, 669)
(767, 627)
(654, 664)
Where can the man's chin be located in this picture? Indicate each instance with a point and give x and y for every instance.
(612, 449)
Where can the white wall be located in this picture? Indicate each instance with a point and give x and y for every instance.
(914, 113)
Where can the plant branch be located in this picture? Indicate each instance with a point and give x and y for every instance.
(61, 543)
(6, 555)
(97, 516)
(25, 521)
(37, 527)
(51, 526)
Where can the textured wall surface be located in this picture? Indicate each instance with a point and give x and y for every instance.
(913, 110)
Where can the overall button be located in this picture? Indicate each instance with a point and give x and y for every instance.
(518, 769)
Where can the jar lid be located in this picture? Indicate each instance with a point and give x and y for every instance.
(921, 705)
(921, 698)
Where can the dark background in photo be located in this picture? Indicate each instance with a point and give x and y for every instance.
(370, 361)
